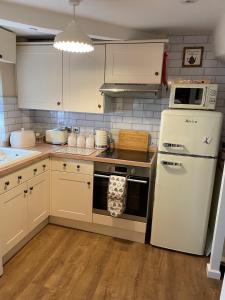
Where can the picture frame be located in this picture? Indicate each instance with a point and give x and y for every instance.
(192, 57)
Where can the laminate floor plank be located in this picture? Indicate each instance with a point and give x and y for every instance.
(66, 264)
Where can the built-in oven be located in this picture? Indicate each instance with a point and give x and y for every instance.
(138, 188)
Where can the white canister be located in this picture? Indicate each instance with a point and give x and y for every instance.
(72, 139)
(90, 141)
(22, 138)
(101, 139)
(81, 141)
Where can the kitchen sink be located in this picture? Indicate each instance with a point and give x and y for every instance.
(10, 156)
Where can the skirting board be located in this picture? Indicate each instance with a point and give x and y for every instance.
(24, 241)
(214, 274)
(101, 229)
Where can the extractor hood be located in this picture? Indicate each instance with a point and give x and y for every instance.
(118, 90)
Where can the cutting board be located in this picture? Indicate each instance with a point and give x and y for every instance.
(133, 140)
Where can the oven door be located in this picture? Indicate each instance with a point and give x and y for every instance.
(188, 96)
(137, 197)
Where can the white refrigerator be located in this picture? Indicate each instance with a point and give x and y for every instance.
(186, 163)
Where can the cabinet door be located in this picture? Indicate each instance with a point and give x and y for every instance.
(134, 63)
(7, 46)
(39, 77)
(38, 200)
(13, 216)
(72, 196)
(83, 75)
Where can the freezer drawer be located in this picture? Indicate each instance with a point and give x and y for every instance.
(190, 132)
(183, 193)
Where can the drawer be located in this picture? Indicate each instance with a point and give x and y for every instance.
(39, 168)
(73, 166)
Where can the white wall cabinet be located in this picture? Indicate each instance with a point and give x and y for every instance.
(72, 196)
(39, 77)
(38, 200)
(7, 46)
(139, 63)
(83, 75)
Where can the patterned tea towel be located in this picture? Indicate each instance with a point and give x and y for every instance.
(117, 193)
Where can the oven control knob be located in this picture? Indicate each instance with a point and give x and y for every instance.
(132, 171)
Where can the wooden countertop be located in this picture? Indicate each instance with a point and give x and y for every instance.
(47, 150)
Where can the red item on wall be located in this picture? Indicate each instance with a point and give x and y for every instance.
(164, 70)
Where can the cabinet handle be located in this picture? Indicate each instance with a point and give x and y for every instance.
(64, 165)
(31, 189)
(99, 106)
(88, 183)
(0, 56)
(44, 166)
(25, 191)
(156, 73)
(58, 103)
(78, 167)
(35, 171)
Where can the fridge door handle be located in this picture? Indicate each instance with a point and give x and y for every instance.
(170, 145)
(171, 163)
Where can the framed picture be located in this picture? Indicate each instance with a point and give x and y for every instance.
(192, 56)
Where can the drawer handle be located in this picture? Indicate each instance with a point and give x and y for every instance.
(31, 189)
(19, 178)
(64, 165)
(44, 166)
(25, 191)
(7, 183)
(89, 184)
(78, 167)
(35, 171)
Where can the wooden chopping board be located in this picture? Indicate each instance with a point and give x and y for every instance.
(133, 140)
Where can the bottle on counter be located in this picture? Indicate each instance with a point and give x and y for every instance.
(90, 141)
(72, 139)
(81, 141)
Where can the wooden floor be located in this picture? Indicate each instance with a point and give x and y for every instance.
(61, 263)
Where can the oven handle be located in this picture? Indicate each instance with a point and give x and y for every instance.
(129, 179)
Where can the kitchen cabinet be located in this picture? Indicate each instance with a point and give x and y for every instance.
(13, 215)
(82, 77)
(24, 203)
(38, 200)
(72, 196)
(7, 46)
(139, 63)
(39, 77)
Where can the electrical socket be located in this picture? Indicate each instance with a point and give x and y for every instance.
(76, 129)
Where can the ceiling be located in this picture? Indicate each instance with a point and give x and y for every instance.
(150, 15)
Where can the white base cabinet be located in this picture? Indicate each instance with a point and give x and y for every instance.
(72, 196)
(24, 207)
(13, 215)
(38, 200)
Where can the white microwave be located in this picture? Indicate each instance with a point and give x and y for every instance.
(193, 96)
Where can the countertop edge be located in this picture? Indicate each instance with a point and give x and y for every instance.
(49, 151)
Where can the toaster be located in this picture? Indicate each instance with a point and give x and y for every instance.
(56, 136)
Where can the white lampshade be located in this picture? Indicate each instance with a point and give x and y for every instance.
(72, 39)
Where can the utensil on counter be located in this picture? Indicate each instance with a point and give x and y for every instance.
(22, 138)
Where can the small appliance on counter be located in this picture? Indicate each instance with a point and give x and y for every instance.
(22, 138)
(57, 136)
(101, 139)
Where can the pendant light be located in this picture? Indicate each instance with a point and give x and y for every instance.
(73, 39)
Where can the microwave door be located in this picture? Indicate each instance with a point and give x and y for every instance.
(188, 96)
